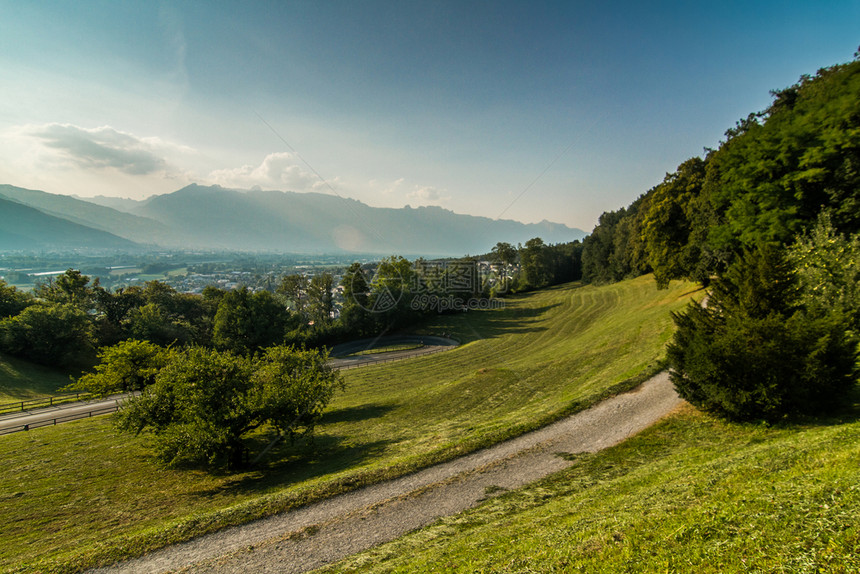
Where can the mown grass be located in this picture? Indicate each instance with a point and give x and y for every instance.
(80, 494)
(691, 494)
(21, 381)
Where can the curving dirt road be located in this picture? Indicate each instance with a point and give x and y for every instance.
(322, 533)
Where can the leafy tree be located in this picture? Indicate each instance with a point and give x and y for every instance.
(151, 322)
(505, 253)
(390, 292)
(536, 264)
(770, 179)
(72, 288)
(127, 366)
(668, 223)
(12, 301)
(113, 311)
(204, 403)
(295, 288)
(827, 267)
(50, 334)
(354, 315)
(247, 321)
(600, 262)
(754, 352)
(320, 302)
(567, 261)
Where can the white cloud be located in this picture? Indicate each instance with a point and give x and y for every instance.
(104, 148)
(428, 195)
(64, 158)
(394, 187)
(278, 170)
(399, 192)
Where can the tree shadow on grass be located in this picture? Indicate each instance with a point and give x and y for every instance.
(359, 413)
(306, 458)
(289, 464)
(475, 325)
(847, 412)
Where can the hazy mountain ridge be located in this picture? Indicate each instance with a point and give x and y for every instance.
(86, 213)
(24, 228)
(254, 220)
(122, 204)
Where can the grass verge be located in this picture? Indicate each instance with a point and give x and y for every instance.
(80, 495)
(21, 380)
(691, 494)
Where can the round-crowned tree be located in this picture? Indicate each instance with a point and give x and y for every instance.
(203, 403)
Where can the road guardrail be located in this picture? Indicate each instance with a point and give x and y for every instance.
(60, 419)
(19, 406)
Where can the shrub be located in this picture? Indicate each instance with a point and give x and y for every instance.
(754, 353)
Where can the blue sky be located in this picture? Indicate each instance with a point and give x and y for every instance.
(524, 110)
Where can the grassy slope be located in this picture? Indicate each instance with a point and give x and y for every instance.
(20, 380)
(690, 494)
(79, 494)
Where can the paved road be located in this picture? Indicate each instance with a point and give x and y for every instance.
(14, 422)
(330, 530)
(45, 416)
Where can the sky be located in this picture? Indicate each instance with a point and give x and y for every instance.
(516, 110)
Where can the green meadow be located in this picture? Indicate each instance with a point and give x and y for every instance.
(690, 494)
(80, 494)
(23, 381)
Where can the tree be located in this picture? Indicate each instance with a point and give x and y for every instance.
(668, 223)
(390, 291)
(248, 321)
(295, 288)
(567, 261)
(827, 268)
(354, 316)
(754, 352)
(72, 288)
(320, 303)
(127, 366)
(50, 334)
(610, 253)
(774, 173)
(12, 301)
(152, 322)
(203, 403)
(536, 264)
(505, 253)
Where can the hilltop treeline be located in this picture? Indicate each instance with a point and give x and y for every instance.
(765, 184)
(770, 219)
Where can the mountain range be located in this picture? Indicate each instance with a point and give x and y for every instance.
(213, 217)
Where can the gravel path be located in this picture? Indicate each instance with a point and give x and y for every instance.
(322, 533)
